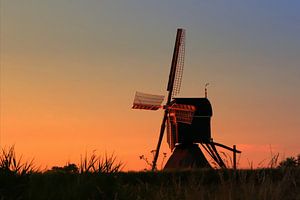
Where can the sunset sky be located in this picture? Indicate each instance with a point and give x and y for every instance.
(70, 68)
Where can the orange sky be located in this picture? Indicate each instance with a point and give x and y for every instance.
(69, 72)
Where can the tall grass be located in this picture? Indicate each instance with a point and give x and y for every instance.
(99, 177)
(97, 164)
(9, 163)
(264, 184)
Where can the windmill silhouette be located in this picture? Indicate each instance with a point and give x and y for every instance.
(187, 120)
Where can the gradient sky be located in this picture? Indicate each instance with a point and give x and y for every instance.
(69, 70)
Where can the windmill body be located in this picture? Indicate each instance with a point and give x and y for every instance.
(186, 152)
(198, 131)
(187, 120)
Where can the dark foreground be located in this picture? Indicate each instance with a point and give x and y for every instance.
(204, 184)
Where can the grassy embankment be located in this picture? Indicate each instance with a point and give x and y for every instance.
(97, 178)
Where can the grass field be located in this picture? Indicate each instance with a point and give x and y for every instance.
(101, 179)
(203, 184)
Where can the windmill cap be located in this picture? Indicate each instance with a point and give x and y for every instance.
(203, 106)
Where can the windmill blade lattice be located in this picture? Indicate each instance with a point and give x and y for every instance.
(179, 65)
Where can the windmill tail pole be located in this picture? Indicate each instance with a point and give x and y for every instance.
(161, 134)
(234, 157)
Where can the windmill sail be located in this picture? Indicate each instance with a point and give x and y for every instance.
(172, 134)
(178, 113)
(169, 136)
(184, 107)
(182, 112)
(180, 65)
(184, 116)
(176, 71)
(147, 101)
(178, 49)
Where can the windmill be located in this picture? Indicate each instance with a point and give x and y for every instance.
(187, 120)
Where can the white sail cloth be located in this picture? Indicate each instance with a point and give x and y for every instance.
(147, 101)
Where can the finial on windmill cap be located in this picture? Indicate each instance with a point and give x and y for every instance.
(206, 84)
